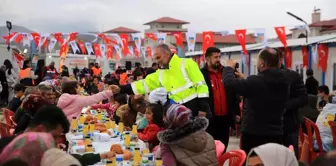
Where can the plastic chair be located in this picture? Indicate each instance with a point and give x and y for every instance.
(4, 130)
(312, 152)
(9, 117)
(220, 147)
(333, 130)
(235, 157)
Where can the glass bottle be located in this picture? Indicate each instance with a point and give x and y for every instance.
(85, 129)
(74, 123)
(137, 155)
(121, 127)
(127, 140)
(87, 140)
(158, 162)
(89, 148)
(81, 118)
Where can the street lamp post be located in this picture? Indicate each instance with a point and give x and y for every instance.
(300, 19)
(9, 27)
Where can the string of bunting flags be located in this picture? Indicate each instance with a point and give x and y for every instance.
(119, 43)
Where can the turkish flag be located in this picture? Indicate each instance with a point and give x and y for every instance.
(241, 36)
(179, 39)
(136, 51)
(36, 38)
(82, 47)
(304, 50)
(280, 31)
(110, 41)
(64, 50)
(19, 58)
(109, 53)
(45, 44)
(73, 36)
(59, 38)
(323, 51)
(19, 38)
(7, 38)
(151, 36)
(96, 48)
(288, 57)
(208, 40)
(124, 39)
(149, 51)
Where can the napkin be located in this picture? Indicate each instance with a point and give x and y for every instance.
(101, 137)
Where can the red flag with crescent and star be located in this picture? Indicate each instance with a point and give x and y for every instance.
(151, 36)
(288, 58)
(19, 58)
(96, 48)
(304, 50)
(179, 39)
(149, 51)
(9, 37)
(208, 40)
(36, 38)
(241, 36)
(323, 51)
(82, 47)
(124, 39)
(64, 50)
(19, 38)
(280, 31)
(59, 37)
(109, 53)
(72, 36)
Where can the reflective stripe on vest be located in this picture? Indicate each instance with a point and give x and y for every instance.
(185, 76)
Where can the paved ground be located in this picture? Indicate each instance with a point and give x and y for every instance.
(233, 144)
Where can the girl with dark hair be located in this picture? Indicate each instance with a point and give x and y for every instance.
(27, 75)
(11, 77)
(72, 103)
(154, 117)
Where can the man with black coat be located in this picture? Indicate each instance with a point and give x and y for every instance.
(223, 102)
(265, 95)
(298, 98)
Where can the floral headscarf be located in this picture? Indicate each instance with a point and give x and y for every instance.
(33, 102)
(28, 147)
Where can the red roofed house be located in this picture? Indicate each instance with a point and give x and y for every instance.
(122, 30)
(167, 24)
(318, 27)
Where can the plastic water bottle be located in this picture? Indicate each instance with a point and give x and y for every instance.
(119, 160)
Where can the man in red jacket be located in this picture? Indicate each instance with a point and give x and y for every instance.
(223, 103)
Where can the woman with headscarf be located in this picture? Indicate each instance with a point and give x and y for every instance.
(12, 78)
(57, 157)
(27, 110)
(4, 85)
(27, 75)
(28, 147)
(185, 141)
(271, 154)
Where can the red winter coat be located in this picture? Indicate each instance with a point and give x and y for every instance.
(149, 134)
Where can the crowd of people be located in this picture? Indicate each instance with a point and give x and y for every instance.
(180, 110)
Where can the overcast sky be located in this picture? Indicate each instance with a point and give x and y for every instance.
(215, 15)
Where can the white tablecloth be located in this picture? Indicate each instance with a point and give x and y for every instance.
(101, 147)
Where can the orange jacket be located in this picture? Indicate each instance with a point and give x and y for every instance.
(25, 73)
(96, 71)
(123, 79)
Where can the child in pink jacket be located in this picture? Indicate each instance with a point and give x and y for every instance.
(72, 104)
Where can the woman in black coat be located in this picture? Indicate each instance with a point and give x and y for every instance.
(4, 93)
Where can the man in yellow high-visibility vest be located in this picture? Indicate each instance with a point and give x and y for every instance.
(181, 78)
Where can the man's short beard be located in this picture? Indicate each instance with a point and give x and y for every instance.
(215, 66)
